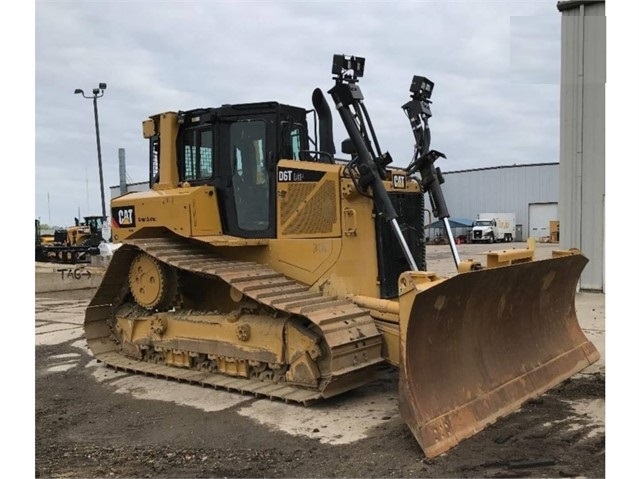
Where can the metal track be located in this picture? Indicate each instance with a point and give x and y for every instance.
(349, 331)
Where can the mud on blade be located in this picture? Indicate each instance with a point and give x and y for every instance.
(476, 346)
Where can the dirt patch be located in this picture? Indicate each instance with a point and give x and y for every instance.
(85, 429)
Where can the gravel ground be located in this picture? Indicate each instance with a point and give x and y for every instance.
(89, 424)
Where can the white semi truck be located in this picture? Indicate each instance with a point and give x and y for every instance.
(493, 227)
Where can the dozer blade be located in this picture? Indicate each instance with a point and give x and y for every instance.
(476, 346)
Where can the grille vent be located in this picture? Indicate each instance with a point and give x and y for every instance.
(317, 215)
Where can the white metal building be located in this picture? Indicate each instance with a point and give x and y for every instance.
(582, 134)
(529, 191)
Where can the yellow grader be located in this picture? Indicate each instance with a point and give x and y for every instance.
(259, 262)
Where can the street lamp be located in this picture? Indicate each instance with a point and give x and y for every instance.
(97, 93)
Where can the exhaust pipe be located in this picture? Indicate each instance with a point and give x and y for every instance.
(320, 104)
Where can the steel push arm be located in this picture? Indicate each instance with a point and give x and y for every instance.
(418, 112)
(348, 99)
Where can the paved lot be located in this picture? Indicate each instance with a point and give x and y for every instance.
(95, 422)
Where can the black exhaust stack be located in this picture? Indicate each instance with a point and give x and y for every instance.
(320, 104)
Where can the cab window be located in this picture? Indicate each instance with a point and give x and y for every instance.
(292, 141)
(198, 154)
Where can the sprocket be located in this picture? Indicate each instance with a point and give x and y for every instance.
(153, 284)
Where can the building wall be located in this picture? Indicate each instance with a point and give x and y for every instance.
(582, 134)
(502, 189)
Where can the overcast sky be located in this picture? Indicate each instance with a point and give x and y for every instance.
(495, 66)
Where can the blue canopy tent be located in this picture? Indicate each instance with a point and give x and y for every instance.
(459, 226)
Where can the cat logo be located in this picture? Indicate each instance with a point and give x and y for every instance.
(124, 216)
(399, 182)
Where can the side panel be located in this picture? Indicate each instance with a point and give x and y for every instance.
(308, 242)
(305, 260)
(308, 200)
(340, 265)
(184, 211)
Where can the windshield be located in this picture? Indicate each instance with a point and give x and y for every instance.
(250, 175)
(483, 223)
(94, 223)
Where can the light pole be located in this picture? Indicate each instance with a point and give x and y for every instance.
(97, 93)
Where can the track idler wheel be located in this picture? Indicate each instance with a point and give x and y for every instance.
(153, 284)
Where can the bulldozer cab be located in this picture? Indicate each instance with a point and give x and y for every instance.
(236, 148)
(94, 222)
(88, 232)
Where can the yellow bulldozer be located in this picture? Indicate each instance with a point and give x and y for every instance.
(86, 233)
(75, 244)
(259, 262)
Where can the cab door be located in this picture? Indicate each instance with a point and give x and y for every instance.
(249, 197)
